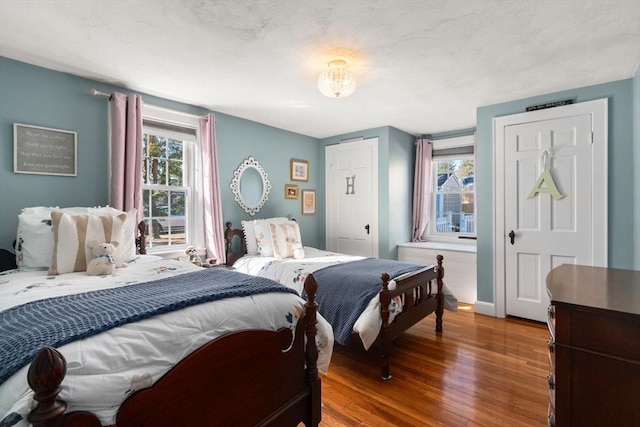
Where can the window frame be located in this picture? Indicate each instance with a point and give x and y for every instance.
(194, 226)
(431, 233)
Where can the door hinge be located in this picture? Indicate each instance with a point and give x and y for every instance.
(591, 137)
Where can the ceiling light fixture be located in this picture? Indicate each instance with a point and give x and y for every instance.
(337, 81)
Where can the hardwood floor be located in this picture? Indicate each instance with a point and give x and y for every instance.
(482, 371)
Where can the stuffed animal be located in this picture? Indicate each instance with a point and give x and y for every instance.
(194, 258)
(103, 262)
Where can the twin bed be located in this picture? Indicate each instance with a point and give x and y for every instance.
(374, 299)
(249, 355)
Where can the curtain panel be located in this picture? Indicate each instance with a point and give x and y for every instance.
(211, 198)
(125, 180)
(422, 192)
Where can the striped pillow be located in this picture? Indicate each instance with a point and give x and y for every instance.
(286, 240)
(72, 233)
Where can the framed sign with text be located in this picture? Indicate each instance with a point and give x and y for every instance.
(44, 151)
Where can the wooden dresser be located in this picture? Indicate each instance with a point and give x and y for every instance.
(594, 349)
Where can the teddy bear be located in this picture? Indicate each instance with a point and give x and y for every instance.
(194, 258)
(103, 262)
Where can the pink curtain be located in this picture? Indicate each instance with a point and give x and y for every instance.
(422, 189)
(211, 198)
(125, 113)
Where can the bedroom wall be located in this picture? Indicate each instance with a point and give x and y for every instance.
(38, 96)
(395, 184)
(620, 174)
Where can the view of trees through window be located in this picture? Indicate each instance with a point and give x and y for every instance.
(165, 195)
(454, 203)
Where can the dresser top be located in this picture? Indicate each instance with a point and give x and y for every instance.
(597, 287)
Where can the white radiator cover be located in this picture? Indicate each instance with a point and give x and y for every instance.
(459, 264)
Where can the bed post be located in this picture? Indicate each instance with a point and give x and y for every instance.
(440, 309)
(385, 340)
(311, 350)
(141, 240)
(45, 376)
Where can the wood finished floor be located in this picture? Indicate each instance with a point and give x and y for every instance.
(482, 371)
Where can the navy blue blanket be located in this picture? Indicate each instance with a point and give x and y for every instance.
(344, 290)
(27, 328)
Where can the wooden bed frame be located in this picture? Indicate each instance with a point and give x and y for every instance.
(415, 291)
(252, 377)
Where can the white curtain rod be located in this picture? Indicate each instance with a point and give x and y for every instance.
(96, 92)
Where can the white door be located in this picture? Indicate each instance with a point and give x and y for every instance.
(352, 197)
(553, 204)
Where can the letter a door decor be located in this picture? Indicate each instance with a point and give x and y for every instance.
(547, 179)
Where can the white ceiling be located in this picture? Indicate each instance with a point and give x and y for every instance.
(422, 66)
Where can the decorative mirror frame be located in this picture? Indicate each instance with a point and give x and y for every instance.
(235, 185)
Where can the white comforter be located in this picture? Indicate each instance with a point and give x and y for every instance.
(292, 272)
(104, 369)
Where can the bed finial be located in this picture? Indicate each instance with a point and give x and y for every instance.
(45, 376)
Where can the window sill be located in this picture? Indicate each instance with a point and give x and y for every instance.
(457, 247)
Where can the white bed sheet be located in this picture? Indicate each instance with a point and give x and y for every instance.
(292, 272)
(133, 356)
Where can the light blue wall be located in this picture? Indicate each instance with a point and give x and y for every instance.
(636, 163)
(620, 167)
(38, 96)
(395, 184)
(273, 148)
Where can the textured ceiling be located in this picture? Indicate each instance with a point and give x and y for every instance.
(422, 66)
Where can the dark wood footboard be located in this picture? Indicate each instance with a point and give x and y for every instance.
(419, 299)
(244, 378)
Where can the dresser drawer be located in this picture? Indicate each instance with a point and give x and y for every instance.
(611, 333)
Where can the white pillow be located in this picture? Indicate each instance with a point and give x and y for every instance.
(72, 233)
(34, 240)
(250, 233)
(286, 241)
(249, 237)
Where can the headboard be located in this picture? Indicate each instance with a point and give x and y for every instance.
(234, 237)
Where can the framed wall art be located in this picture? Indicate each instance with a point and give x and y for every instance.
(299, 170)
(308, 202)
(44, 151)
(291, 191)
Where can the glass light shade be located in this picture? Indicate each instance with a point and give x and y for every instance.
(337, 81)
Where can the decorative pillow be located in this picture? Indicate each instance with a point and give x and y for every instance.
(286, 240)
(250, 233)
(72, 233)
(34, 240)
(130, 231)
(249, 237)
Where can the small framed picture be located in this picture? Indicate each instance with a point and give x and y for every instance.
(291, 191)
(308, 202)
(299, 170)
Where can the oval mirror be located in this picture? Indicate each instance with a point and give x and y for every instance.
(250, 186)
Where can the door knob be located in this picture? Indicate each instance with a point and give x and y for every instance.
(366, 227)
(512, 236)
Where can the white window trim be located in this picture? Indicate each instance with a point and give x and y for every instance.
(429, 235)
(192, 166)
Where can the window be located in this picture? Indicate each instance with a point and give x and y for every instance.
(453, 205)
(169, 145)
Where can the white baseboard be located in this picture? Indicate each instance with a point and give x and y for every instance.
(487, 308)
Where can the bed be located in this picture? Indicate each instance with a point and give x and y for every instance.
(186, 363)
(384, 297)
